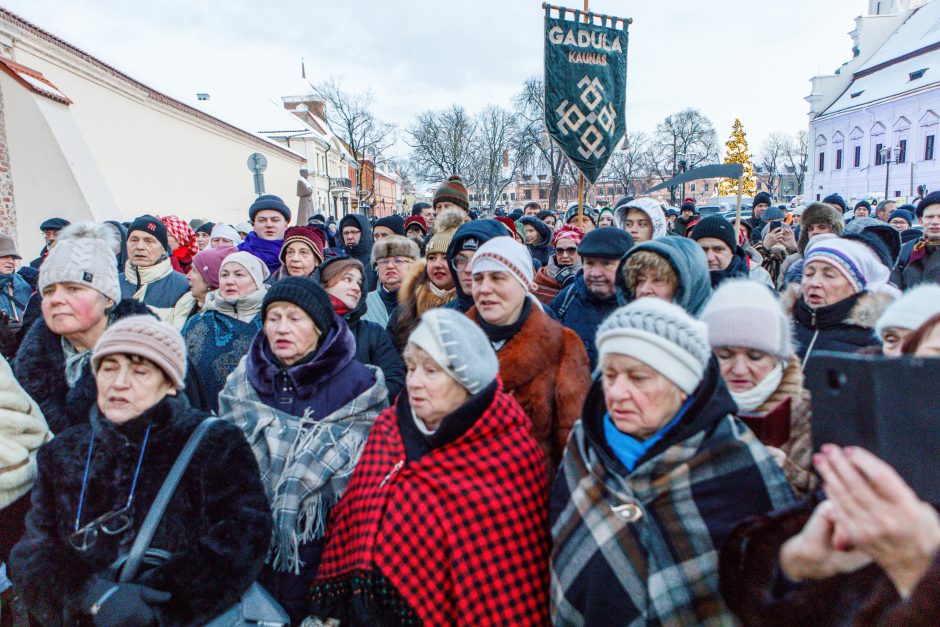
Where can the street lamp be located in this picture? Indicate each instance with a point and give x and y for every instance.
(886, 154)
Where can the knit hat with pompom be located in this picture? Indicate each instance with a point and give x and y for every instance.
(453, 190)
(82, 255)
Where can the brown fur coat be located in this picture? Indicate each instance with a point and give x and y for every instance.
(415, 296)
(799, 448)
(545, 367)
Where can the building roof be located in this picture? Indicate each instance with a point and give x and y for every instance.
(33, 80)
(151, 93)
(895, 68)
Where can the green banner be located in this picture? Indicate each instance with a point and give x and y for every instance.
(585, 86)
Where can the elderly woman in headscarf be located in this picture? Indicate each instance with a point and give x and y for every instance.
(444, 521)
(563, 265)
(302, 252)
(182, 242)
(98, 479)
(655, 475)
(843, 293)
(219, 336)
(224, 235)
(542, 364)
(752, 338)
(306, 406)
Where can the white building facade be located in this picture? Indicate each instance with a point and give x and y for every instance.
(874, 123)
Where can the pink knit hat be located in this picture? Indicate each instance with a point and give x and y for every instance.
(208, 263)
(148, 337)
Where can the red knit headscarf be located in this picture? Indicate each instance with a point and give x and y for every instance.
(181, 231)
(568, 231)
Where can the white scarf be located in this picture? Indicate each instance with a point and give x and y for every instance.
(749, 400)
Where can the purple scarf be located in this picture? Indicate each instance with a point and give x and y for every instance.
(267, 250)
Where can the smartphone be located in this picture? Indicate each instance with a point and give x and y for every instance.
(776, 224)
(887, 406)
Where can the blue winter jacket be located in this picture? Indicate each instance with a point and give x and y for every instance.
(14, 295)
(582, 312)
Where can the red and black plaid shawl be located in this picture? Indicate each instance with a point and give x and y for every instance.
(457, 536)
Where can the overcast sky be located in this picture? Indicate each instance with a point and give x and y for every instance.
(751, 58)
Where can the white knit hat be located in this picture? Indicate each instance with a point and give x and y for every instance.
(911, 310)
(458, 346)
(255, 267)
(505, 254)
(227, 232)
(745, 313)
(662, 336)
(82, 254)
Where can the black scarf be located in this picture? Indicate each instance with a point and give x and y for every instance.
(497, 333)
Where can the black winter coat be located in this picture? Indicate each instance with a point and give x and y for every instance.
(924, 269)
(374, 347)
(844, 327)
(217, 527)
(582, 312)
(361, 251)
(40, 369)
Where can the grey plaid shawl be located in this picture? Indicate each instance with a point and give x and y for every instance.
(661, 569)
(305, 464)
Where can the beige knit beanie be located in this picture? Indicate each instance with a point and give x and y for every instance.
(147, 337)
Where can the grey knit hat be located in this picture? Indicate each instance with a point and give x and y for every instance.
(745, 313)
(458, 346)
(662, 336)
(82, 254)
(148, 337)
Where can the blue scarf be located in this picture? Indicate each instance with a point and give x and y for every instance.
(267, 250)
(628, 449)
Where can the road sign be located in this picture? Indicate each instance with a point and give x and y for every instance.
(257, 163)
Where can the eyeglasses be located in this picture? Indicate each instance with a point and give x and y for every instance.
(395, 261)
(112, 524)
(566, 251)
(461, 262)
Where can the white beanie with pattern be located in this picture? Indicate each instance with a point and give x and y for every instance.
(505, 254)
(662, 336)
(82, 254)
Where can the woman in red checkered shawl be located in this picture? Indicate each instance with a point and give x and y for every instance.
(445, 518)
(182, 240)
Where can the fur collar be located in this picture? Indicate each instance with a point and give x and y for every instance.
(525, 356)
(415, 296)
(864, 313)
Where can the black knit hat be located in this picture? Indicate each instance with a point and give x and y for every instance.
(206, 228)
(151, 226)
(863, 203)
(762, 198)
(933, 198)
(306, 294)
(54, 224)
(836, 201)
(609, 243)
(715, 226)
(268, 202)
(687, 206)
(394, 223)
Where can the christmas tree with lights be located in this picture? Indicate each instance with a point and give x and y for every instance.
(736, 152)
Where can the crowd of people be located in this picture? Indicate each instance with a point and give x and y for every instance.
(460, 417)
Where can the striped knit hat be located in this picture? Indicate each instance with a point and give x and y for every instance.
(855, 261)
(305, 235)
(453, 190)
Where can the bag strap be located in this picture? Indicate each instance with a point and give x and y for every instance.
(152, 521)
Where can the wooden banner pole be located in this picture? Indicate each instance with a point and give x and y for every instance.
(737, 215)
(581, 176)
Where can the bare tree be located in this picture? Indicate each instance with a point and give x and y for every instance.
(687, 136)
(795, 153)
(350, 117)
(444, 143)
(543, 156)
(502, 151)
(631, 162)
(772, 154)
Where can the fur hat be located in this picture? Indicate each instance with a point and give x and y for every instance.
(745, 313)
(395, 246)
(445, 225)
(661, 335)
(82, 255)
(819, 213)
(458, 346)
(452, 190)
(148, 337)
